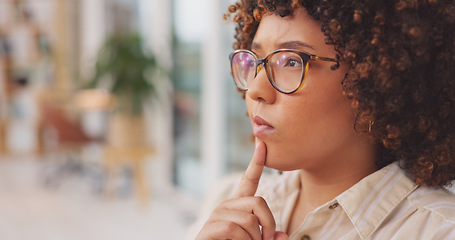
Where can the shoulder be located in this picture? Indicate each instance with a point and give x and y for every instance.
(433, 213)
(436, 202)
(426, 213)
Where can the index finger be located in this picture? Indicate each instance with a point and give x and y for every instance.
(250, 180)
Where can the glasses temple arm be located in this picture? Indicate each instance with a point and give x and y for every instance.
(336, 66)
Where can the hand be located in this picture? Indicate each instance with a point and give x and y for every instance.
(240, 217)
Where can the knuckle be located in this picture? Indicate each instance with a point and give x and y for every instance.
(229, 228)
(251, 221)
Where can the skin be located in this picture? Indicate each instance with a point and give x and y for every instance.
(240, 217)
(313, 128)
(312, 132)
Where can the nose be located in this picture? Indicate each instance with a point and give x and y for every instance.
(260, 89)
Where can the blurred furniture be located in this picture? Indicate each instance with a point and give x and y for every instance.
(121, 138)
(72, 134)
(61, 143)
(67, 132)
(117, 158)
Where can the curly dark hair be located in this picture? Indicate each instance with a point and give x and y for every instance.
(401, 78)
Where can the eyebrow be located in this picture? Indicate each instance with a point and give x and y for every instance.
(290, 44)
(295, 44)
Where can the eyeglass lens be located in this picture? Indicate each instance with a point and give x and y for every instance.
(243, 69)
(285, 70)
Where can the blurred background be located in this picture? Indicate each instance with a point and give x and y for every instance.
(116, 116)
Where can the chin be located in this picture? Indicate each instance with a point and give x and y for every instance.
(279, 165)
(277, 160)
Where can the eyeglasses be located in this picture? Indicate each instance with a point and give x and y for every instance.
(286, 68)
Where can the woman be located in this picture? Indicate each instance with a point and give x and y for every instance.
(359, 98)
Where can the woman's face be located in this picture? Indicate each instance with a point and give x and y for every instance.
(312, 127)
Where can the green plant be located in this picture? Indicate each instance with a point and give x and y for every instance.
(128, 68)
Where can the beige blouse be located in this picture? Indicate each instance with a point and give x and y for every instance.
(384, 205)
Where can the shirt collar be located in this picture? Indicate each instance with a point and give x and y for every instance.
(372, 199)
(281, 197)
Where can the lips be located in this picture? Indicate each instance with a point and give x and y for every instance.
(261, 127)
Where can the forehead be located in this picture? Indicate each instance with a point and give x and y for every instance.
(274, 31)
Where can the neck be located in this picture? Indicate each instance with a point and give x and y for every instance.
(321, 185)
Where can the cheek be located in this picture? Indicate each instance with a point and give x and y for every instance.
(313, 127)
(327, 116)
(309, 142)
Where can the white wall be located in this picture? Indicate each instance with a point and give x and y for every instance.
(93, 33)
(155, 24)
(213, 99)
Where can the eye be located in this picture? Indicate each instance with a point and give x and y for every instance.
(293, 62)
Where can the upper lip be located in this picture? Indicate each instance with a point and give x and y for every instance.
(260, 121)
